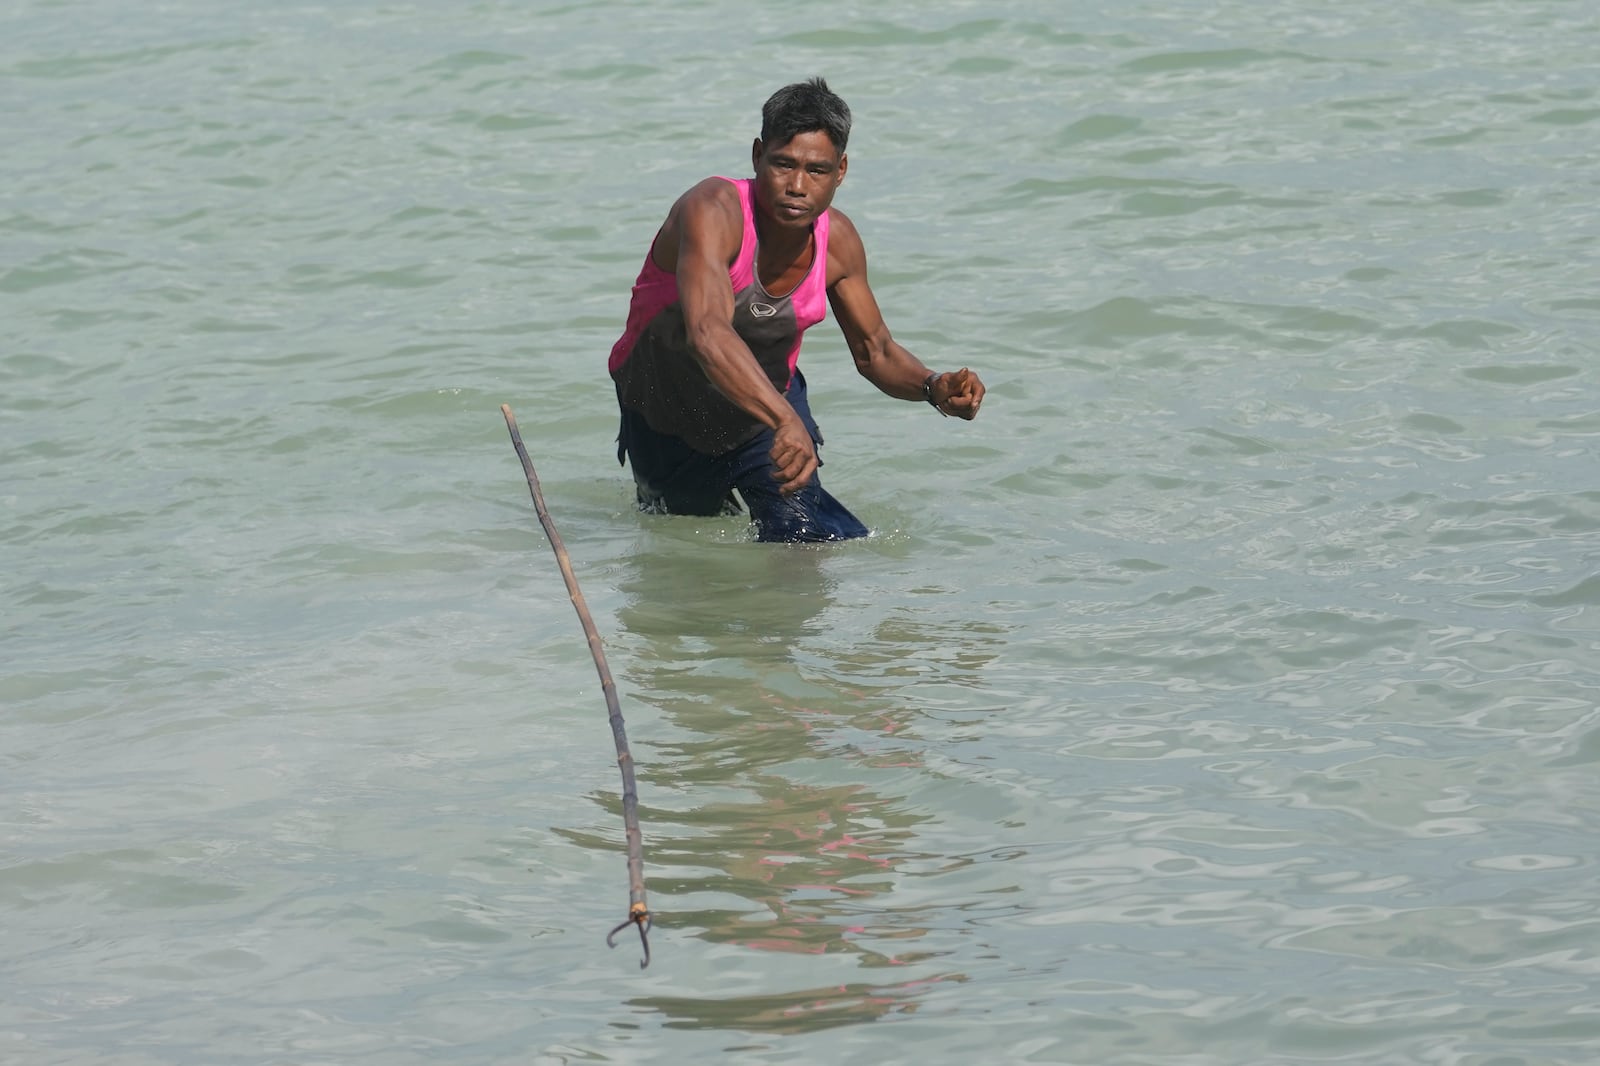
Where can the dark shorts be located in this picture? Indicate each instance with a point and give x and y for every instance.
(672, 478)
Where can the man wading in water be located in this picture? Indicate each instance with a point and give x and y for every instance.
(706, 375)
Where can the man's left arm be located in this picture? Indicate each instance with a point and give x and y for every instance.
(878, 356)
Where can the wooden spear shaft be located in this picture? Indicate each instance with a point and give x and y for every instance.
(638, 908)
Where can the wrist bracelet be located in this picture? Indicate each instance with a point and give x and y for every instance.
(927, 392)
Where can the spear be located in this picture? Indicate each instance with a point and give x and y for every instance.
(638, 909)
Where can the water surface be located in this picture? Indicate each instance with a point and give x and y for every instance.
(1225, 694)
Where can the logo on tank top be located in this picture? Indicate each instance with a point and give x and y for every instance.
(760, 310)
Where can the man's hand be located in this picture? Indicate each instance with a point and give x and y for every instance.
(794, 456)
(959, 394)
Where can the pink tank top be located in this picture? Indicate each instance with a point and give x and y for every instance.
(656, 373)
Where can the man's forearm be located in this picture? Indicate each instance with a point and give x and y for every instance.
(893, 369)
(731, 367)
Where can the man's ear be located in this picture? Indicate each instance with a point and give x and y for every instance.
(844, 165)
(755, 154)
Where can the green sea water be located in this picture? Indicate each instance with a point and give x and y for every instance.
(1226, 694)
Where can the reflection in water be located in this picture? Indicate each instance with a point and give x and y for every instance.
(759, 829)
(794, 1012)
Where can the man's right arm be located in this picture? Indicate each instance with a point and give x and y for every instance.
(701, 237)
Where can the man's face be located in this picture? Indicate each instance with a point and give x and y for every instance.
(795, 181)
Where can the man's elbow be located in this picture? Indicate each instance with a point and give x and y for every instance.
(704, 338)
(869, 359)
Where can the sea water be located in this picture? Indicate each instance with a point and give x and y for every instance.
(1225, 694)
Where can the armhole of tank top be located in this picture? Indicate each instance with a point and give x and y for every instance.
(823, 236)
(746, 255)
(652, 254)
(747, 225)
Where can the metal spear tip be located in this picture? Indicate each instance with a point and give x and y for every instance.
(643, 920)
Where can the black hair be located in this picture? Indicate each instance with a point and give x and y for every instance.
(804, 107)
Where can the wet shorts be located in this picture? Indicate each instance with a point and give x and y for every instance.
(672, 478)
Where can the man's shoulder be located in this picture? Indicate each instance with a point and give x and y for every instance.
(708, 214)
(839, 224)
(720, 191)
(845, 252)
(706, 200)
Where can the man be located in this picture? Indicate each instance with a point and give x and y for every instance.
(712, 399)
